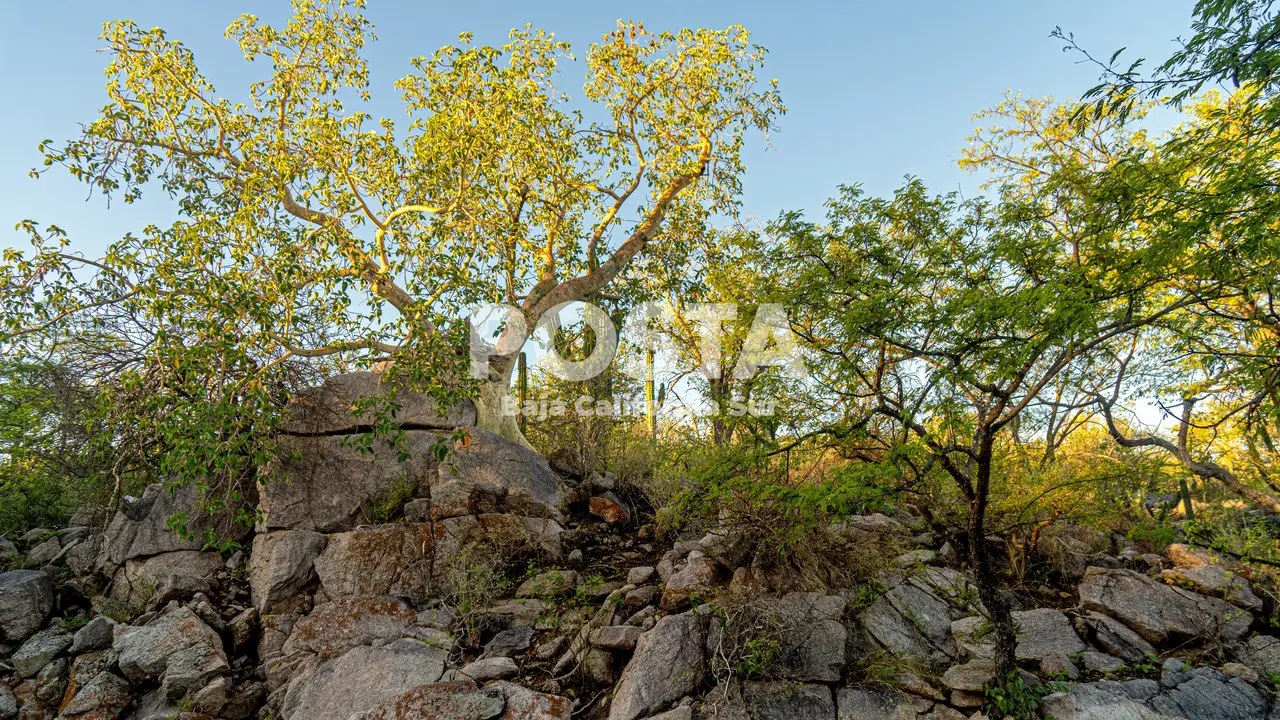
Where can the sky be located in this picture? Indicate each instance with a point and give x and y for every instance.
(875, 91)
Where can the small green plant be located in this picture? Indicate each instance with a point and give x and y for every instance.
(475, 577)
(1016, 698)
(388, 504)
(72, 623)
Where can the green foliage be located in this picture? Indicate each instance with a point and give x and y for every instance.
(1014, 698)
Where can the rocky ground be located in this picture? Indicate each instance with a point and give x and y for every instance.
(337, 608)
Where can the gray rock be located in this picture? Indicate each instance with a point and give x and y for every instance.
(456, 700)
(326, 484)
(788, 701)
(1040, 632)
(1210, 695)
(104, 696)
(1140, 689)
(1100, 662)
(525, 704)
(494, 475)
(177, 648)
(487, 669)
(683, 712)
(328, 409)
(26, 598)
(1262, 653)
(912, 621)
(729, 549)
(34, 536)
(1215, 581)
(418, 510)
(700, 574)
(51, 682)
(282, 565)
(812, 647)
(36, 652)
(508, 643)
(157, 579)
(1088, 702)
(668, 664)
(872, 704)
(1059, 665)
(45, 552)
(361, 679)
(141, 527)
(1117, 639)
(349, 622)
(8, 703)
(1161, 614)
(640, 575)
(970, 677)
(616, 637)
(549, 584)
(82, 557)
(379, 560)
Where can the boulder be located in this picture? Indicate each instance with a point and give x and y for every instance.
(157, 579)
(8, 703)
(549, 584)
(104, 697)
(1040, 632)
(379, 560)
(330, 408)
(140, 528)
(45, 552)
(699, 575)
(509, 643)
(506, 534)
(568, 461)
(1207, 694)
(361, 680)
(1215, 581)
(1114, 637)
(1100, 662)
(494, 475)
(456, 700)
(812, 647)
(610, 508)
(176, 648)
(38, 650)
(349, 622)
(1262, 653)
(616, 637)
(26, 598)
(525, 704)
(1191, 557)
(282, 565)
(668, 664)
(788, 701)
(874, 704)
(488, 669)
(913, 620)
(1089, 702)
(1161, 614)
(328, 483)
(97, 634)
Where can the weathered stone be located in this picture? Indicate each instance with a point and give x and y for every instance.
(971, 677)
(509, 643)
(1262, 653)
(141, 527)
(1210, 695)
(1159, 613)
(871, 704)
(616, 637)
(361, 679)
(700, 574)
(1190, 557)
(177, 648)
(494, 475)
(1100, 662)
(210, 699)
(282, 565)
(493, 533)
(912, 621)
(568, 462)
(1244, 672)
(457, 700)
(349, 622)
(379, 560)
(103, 698)
(8, 703)
(39, 650)
(788, 701)
(95, 635)
(1117, 639)
(327, 484)
(51, 682)
(1058, 665)
(418, 510)
(549, 584)
(597, 666)
(525, 704)
(1215, 581)
(157, 579)
(329, 409)
(487, 669)
(1039, 632)
(243, 627)
(609, 508)
(244, 701)
(668, 664)
(640, 575)
(45, 552)
(26, 597)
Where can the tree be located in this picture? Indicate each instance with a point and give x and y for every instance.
(312, 235)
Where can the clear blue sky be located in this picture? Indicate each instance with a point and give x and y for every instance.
(875, 90)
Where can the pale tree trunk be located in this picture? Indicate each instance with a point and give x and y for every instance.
(494, 394)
